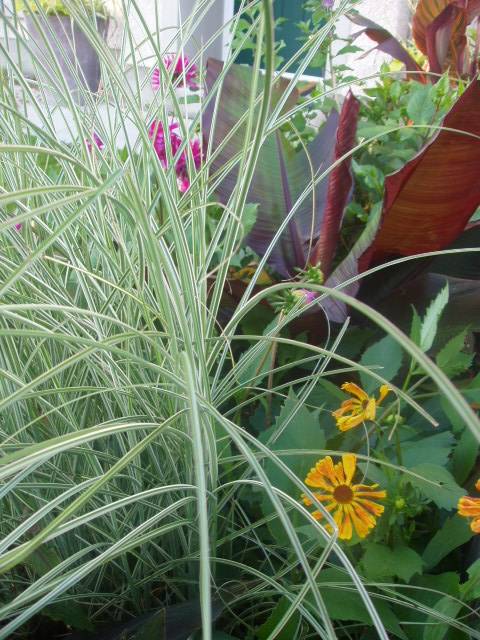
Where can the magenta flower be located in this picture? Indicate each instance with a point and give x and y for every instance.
(160, 142)
(19, 226)
(157, 134)
(328, 4)
(95, 140)
(180, 68)
(305, 295)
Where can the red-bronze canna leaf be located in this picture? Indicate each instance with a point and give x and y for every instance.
(429, 202)
(439, 29)
(283, 175)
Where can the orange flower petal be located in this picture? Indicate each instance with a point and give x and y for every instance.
(352, 406)
(370, 410)
(361, 521)
(477, 485)
(355, 390)
(469, 507)
(384, 391)
(368, 505)
(475, 525)
(349, 461)
(345, 529)
(349, 422)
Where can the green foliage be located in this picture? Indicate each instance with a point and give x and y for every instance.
(155, 439)
(386, 352)
(383, 563)
(431, 319)
(58, 7)
(453, 533)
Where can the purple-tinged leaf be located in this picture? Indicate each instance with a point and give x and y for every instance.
(427, 203)
(340, 187)
(282, 174)
(387, 43)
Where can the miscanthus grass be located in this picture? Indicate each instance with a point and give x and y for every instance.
(122, 460)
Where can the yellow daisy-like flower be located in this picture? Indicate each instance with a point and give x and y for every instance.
(358, 409)
(470, 508)
(245, 275)
(352, 505)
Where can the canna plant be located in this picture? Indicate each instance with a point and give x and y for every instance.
(444, 31)
(427, 204)
(153, 462)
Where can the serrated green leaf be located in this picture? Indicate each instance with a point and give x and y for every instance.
(451, 359)
(302, 431)
(436, 449)
(432, 316)
(454, 532)
(438, 485)
(471, 588)
(416, 327)
(387, 353)
(464, 456)
(274, 618)
(249, 217)
(421, 108)
(380, 562)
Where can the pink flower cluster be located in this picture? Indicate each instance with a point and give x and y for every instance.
(95, 140)
(160, 142)
(181, 69)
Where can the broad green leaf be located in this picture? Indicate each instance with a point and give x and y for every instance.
(421, 108)
(471, 588)
(71, 613)
(451, 359)
(436, 449)
(380, 562)
(303, 431)
(249, 218)
(454, 532)
(438, 486)
(274, 618)
(346, 604)
(464, 456)
(432, 316)
(446, 606)
(387, 353)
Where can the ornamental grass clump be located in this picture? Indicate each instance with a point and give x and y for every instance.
(159, 415)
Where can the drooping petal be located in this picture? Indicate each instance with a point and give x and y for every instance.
(368, 505)
(350, 422)
(355, 390)
(370, 410)
(384, 391)
(475, 525)
(361, 523)
(348, 406)
(469, 507)
(345, 526)
(349, 461)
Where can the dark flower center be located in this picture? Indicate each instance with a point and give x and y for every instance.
(343, 494)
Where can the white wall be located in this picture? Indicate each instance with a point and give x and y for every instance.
(169, 14)
(393, 15)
